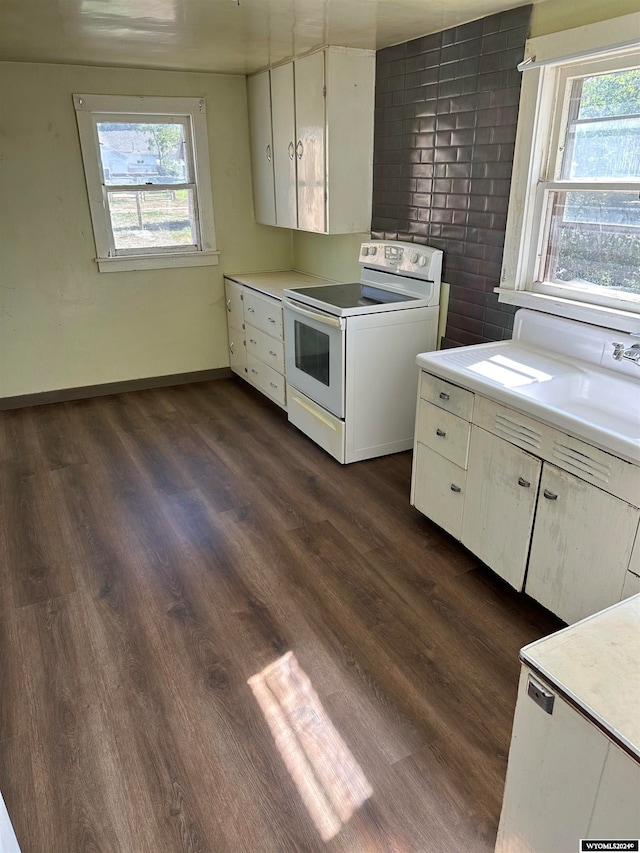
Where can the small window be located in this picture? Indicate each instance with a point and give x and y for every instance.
(147, 170)
(591, 201)
(572, 244)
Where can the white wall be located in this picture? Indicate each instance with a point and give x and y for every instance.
(62, 323)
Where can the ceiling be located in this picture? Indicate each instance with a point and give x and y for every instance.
(217, 35)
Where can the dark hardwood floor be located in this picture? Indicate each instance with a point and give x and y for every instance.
(161, 548)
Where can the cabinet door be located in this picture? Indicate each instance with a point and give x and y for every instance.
(284, 141)
(234, 303)
(581, 546)
(237, 351)
(439, 488)
(264, 201)
(310, 142)
(555, 764)
(502, 483)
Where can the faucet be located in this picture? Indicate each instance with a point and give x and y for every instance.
(631, 353)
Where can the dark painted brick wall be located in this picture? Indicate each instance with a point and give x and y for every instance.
(445, 127)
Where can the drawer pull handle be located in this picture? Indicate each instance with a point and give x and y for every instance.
(441, 433)
(251, 310)
(455, 488)
(550, 495)
(274, 354)
(231, 345)
(273, 384)
(252, 341)
(270, 319)
(253, 370)
(443, 395)
(229, 305)
(524, 483)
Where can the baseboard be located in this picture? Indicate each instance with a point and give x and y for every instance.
(65, 394)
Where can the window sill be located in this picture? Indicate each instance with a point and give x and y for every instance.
(595, 315)
(124, 263)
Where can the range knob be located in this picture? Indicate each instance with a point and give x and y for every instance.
(373, 250)
(414, 257)
(422, 261)
(365, 250)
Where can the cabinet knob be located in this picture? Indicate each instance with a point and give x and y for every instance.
(524, 483)
(455, 488)
(443, 395)
(550, 495)
(228, 305)
(441, 433)
(231, 350)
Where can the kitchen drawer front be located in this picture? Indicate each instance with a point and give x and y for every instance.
(439, 489)
(266, 379)
(264, 347)
(445, 433)
(263, 313)
(591, 464)
(457, 400)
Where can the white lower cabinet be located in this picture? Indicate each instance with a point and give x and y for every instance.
(256, 339)
(499, 506)
(566, 780)
(581, 546)
(550, 514)
(439, 489)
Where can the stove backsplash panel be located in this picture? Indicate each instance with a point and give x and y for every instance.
(445, 128)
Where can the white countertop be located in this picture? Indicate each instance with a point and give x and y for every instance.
(273, 283)
(596, 664)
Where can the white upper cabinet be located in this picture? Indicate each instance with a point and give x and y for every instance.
(259, 95)
(283, 117)
(319, 109)
(310, 142)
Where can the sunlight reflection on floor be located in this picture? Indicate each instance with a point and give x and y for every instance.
(329, 779)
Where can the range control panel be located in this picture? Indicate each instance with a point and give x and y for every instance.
(412, 259)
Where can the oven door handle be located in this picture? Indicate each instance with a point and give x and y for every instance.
(325, 319)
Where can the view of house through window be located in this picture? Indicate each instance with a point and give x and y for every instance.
(592, 232)
(149, 184)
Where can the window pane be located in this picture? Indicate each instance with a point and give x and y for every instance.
(603, 130)
(594, 238)
(152, 219)
(144, 152)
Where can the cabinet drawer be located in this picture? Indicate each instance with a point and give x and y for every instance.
(445, 433)
(266, 379)
(446, 396)
(264, 347)
(263, 313)
(439, 488)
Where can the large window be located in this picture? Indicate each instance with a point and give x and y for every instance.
(573, 238)
(147, 170)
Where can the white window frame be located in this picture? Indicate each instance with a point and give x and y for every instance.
(91, 109)
(603, 47)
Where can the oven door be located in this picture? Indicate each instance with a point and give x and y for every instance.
(314, 355)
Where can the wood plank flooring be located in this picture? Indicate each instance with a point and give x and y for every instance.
(160, 548)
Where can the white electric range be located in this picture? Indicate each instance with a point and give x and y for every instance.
(350, 350)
